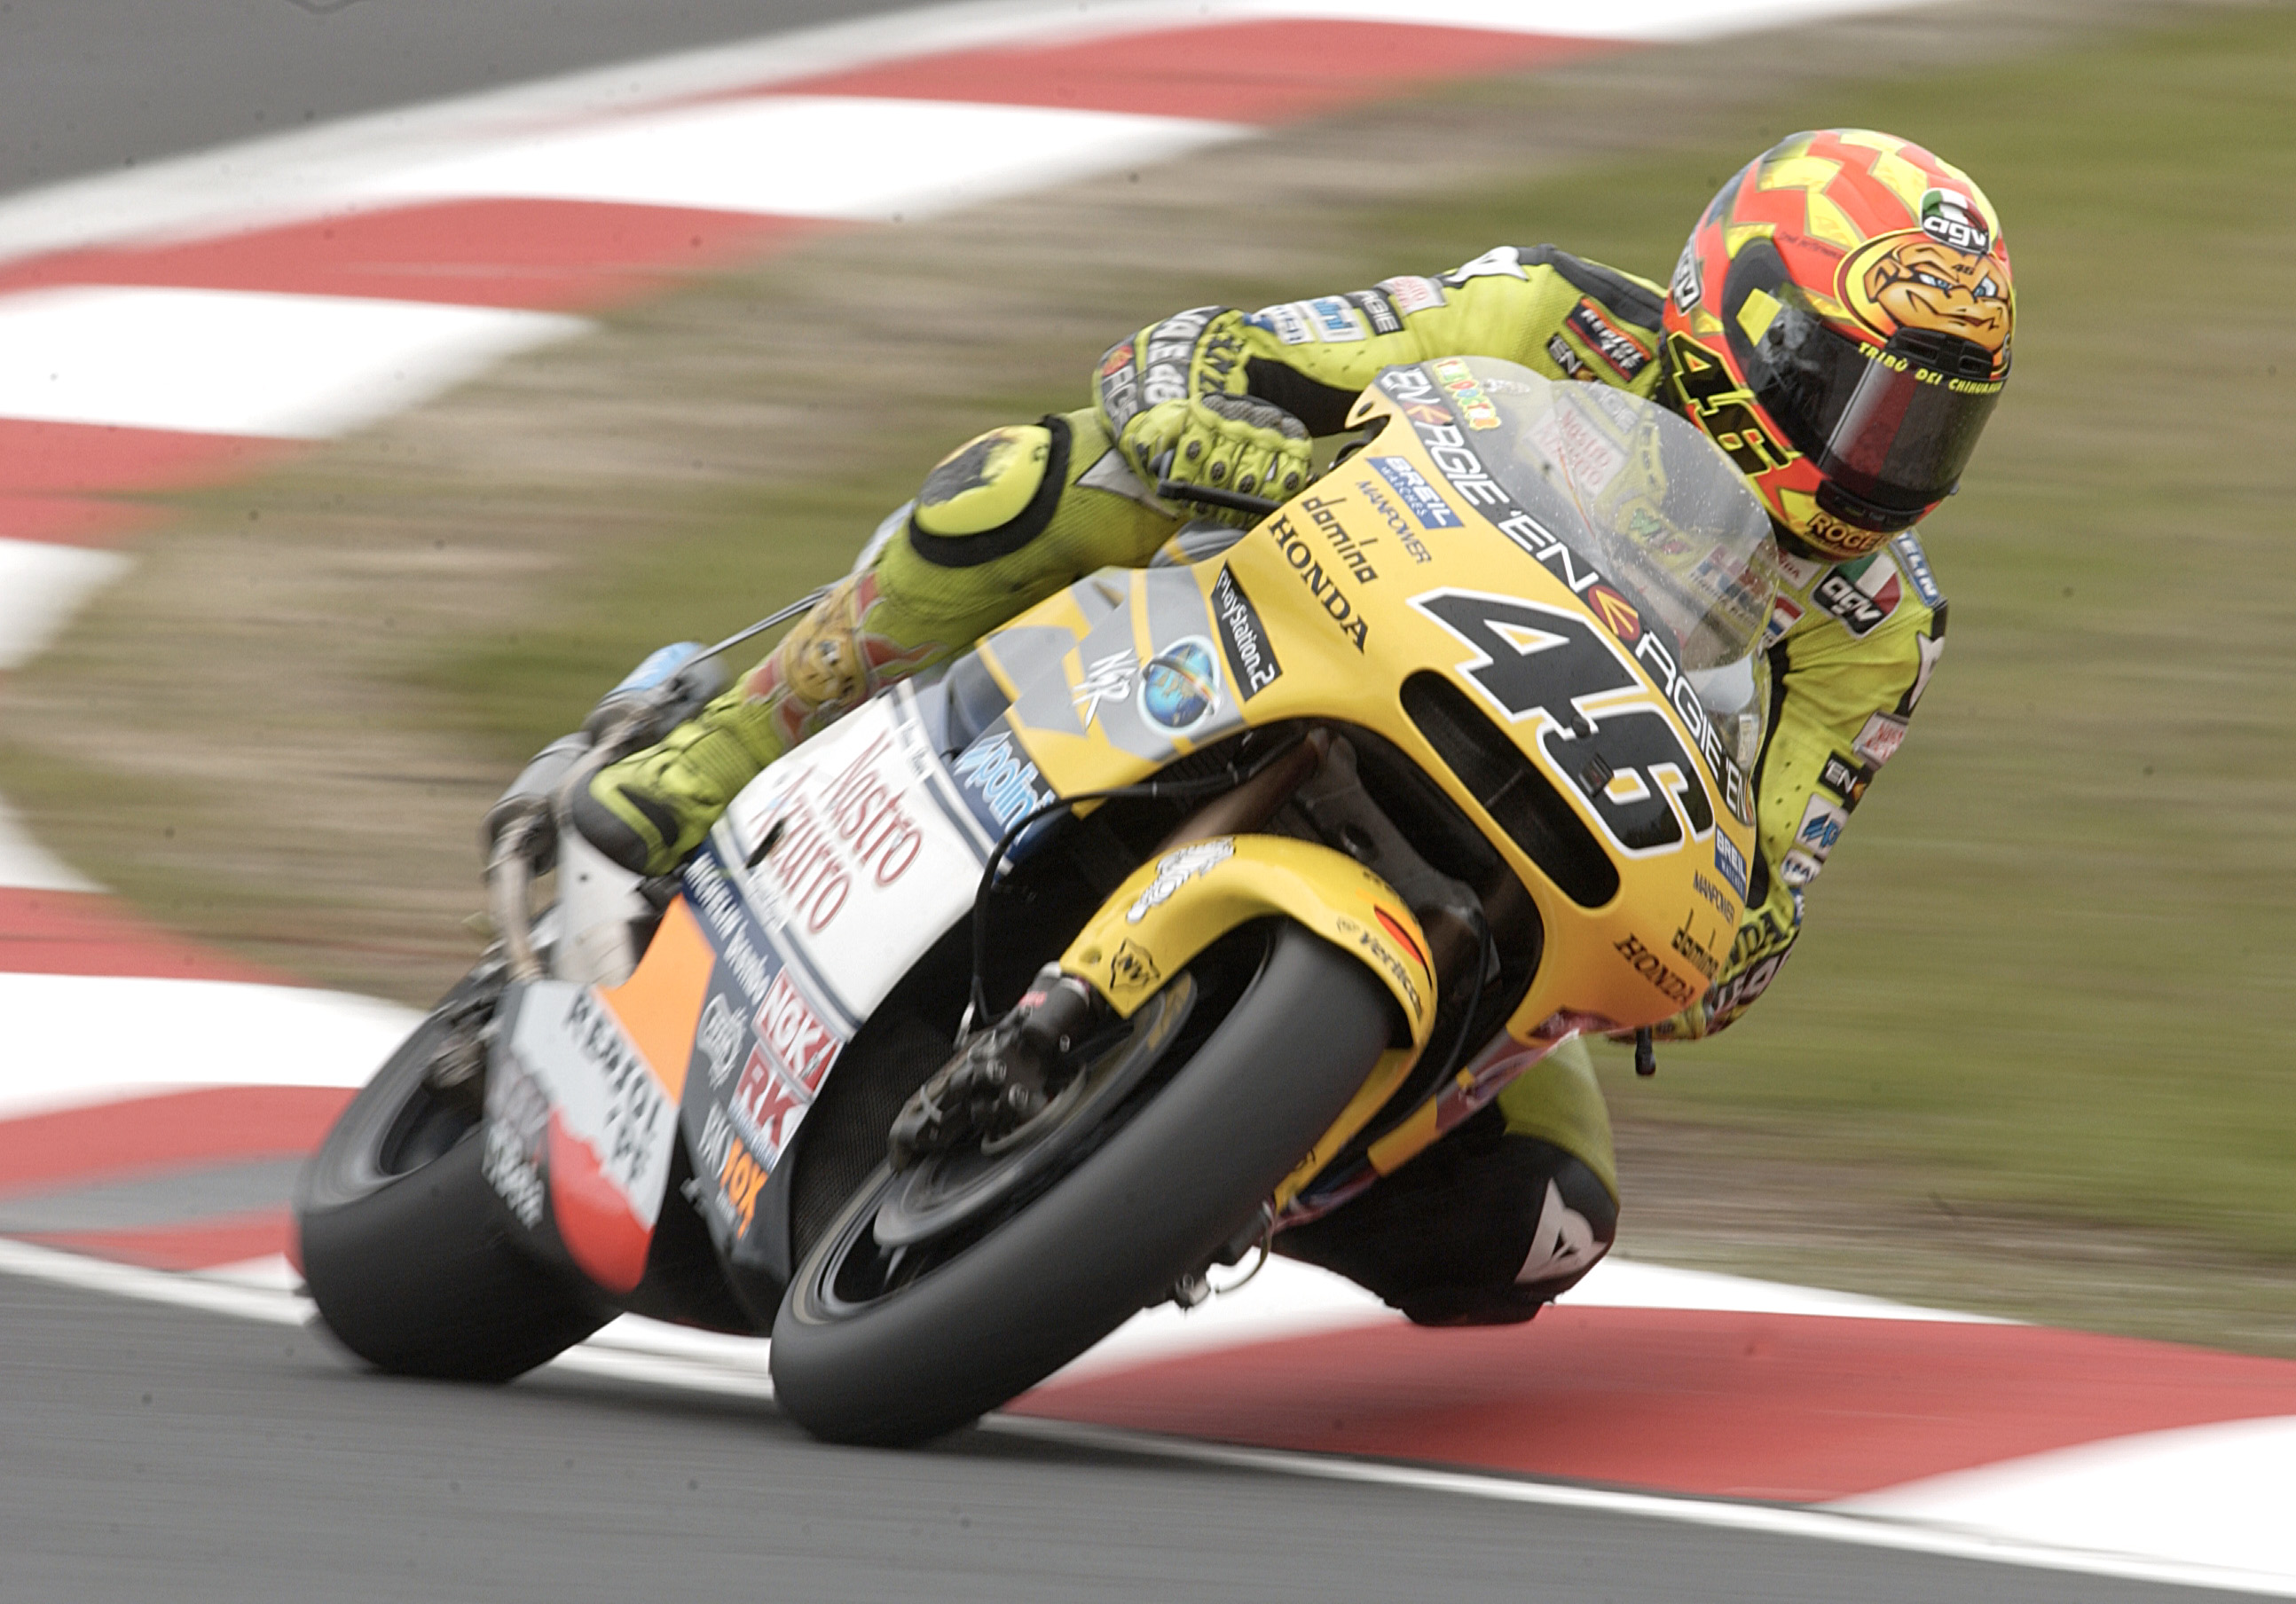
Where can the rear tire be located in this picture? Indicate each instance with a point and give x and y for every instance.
(407, 1249)
(1163, 1193)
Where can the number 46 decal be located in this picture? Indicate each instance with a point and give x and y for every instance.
(1551, 665)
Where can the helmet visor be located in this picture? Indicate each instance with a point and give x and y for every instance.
(1893, 426)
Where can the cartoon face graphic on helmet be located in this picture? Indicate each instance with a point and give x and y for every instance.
(1938, 277)
(1839, 324)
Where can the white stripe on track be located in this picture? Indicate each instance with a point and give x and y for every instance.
(41, 586)
(25, 865)
(1641, 21)
(810, 156)
(78, 1039)
(1618, 1283)
(1288, 1300)
(645, 1352)
(218, 1297)
(2206, 1495)
(243, 362)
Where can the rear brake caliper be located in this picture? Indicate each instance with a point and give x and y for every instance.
(1000, 1079)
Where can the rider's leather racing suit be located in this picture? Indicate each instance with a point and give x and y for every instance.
(1517, 1203)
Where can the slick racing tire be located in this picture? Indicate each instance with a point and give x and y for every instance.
(405, 1248)
(862, 1355)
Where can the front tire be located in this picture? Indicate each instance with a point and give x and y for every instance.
(405, 1245)
(1150, 1204)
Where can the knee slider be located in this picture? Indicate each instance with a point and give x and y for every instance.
(991, 495)
(1484, 1229)
(1577, 1220)
(1564, 1224)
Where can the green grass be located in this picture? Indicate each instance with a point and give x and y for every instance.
(2050, 966)
(710, 569)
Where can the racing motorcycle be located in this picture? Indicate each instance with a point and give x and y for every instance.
(1192, 901)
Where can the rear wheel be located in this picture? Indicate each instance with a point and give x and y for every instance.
(935, 1296)
(404, 1244)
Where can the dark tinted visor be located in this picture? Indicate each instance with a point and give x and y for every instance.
(1894, 427)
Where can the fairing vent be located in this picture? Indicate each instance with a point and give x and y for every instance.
(1512, 789)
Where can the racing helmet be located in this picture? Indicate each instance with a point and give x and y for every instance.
(1838, 323)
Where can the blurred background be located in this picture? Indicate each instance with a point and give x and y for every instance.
(2030, 1056)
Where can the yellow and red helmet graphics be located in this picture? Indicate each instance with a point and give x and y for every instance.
(1840, 324)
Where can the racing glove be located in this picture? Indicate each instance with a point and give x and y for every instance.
(1227, 442)
(1173, 397)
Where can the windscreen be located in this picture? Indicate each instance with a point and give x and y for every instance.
(1650, 504)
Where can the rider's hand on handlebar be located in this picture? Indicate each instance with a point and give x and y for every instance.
(1227, 442)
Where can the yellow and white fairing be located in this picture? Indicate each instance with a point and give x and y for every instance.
(1611, 610)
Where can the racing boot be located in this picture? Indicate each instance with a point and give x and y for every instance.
(651, 808)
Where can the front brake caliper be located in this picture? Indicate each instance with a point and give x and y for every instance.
(997, 1082)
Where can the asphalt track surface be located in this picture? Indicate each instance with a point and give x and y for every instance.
(168, 1454)
(90, 85)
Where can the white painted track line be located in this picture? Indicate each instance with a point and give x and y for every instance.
(1617, 1283)
(76, 1039)
(808, 157)
(41, 586)
(25, 865)
(267, 1305)
(241, 362)
(1288, 1299)
(1641, 21)
(2204, 1494)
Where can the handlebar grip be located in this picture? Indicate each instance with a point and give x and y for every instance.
(1234, 500)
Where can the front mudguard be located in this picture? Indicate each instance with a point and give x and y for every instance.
(1175, 906)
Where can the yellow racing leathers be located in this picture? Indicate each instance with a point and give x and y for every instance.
(1224, 399)
(1851, 648)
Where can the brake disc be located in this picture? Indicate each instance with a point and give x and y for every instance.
(943, 1191)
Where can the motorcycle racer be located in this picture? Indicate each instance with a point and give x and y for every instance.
(1838, 323)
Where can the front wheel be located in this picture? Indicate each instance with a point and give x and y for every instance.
(897, 1345)
(404, 1243)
